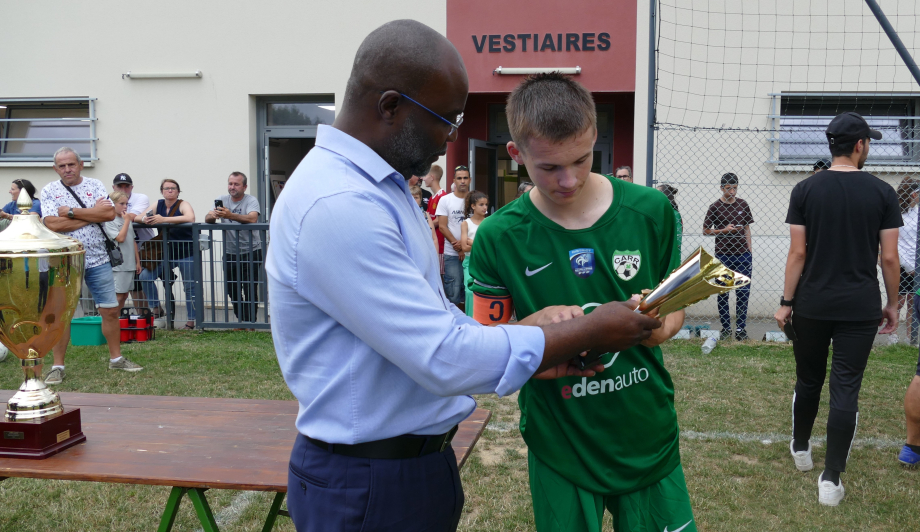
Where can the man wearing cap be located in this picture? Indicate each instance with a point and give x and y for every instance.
(837, 220)
(137, 204)
(450, 216)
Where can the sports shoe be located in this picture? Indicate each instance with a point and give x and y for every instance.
(802, 459)
(741, 335)
(829, 494)
(125, 364)
(726, 334)
(55, 376)
(908, 456)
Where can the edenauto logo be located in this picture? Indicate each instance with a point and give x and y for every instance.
(606, 385)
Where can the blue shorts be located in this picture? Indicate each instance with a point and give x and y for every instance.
(101, 284)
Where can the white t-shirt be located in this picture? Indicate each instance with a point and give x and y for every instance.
(907, 239)
(54, 196)
(452, 207)
(471, 228)
(139, 204)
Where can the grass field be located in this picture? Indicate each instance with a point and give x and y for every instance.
(734, 409)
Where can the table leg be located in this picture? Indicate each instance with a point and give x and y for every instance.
(200, 502)
(273, 512)
(172, 509)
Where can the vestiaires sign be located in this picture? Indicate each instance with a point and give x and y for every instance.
(542, 42)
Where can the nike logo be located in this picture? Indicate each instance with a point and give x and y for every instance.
(679, 529)
(528, 272)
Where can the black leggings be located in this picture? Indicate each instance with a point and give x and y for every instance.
(852, 342)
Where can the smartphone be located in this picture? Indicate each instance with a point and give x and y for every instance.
(218, 203)
(149, 214)
(790, 332)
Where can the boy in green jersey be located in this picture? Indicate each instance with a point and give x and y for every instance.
(579, 238)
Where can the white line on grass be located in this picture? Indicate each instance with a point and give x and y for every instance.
(766, 439)
(233, 511)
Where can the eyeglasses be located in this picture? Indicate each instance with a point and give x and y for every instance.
(462, 167)
(169, 188)
(454, 126)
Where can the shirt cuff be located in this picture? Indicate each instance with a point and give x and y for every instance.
(527, 344)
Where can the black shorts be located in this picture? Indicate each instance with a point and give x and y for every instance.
(906, 285)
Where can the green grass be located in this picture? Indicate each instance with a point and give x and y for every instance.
(739, 389)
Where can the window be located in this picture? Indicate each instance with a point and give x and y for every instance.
(32, 129)
(300, 114)
(798, 126)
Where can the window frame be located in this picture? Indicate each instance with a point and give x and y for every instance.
(76, 102)
(903, 100)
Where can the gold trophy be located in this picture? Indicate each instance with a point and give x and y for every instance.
(41, 274)
(699, 277)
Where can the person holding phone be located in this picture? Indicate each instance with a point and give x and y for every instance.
(242, 249)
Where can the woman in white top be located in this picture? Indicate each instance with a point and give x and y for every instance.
(908, 198)
(475, 210)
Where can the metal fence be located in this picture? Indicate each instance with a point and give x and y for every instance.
(216, 279)
(693, 161)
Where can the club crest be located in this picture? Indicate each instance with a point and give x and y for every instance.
(627, 264)
(582, 261)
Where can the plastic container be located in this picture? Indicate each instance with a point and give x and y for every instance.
(126, 334)
(86, 331)
(709, 345)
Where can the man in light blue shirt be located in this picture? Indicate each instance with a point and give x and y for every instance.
(380, 361)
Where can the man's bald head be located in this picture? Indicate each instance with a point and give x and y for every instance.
(407, 90)
(402, 55)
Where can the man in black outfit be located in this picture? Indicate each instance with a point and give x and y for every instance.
(840, 216)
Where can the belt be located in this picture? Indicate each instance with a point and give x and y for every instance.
(395, 448)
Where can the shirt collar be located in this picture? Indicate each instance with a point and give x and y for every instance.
(360, 154)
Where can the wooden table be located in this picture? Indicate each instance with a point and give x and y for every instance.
(190, 443)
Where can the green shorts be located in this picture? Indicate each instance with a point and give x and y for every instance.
(560, 506)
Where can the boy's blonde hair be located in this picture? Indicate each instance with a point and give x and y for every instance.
(117, 196)
(549, 106)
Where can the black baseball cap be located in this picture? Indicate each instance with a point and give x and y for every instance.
(123, 178)
(849, 127)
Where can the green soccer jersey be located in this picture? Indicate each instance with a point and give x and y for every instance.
(616, 432)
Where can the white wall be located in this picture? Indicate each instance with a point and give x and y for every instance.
(193, 130)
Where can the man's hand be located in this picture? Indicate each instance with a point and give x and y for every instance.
(221, 212)
(889, 315)
(559, 314)
(103, 203)
(782, 316)
(729, 229)
(620, 327)
(456, 245)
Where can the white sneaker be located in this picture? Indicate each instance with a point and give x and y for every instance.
(802, 459)
(829, 494)
(892, 339)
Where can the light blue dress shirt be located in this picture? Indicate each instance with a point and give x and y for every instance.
(365, 337)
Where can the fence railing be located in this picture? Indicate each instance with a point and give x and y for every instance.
(214, 277)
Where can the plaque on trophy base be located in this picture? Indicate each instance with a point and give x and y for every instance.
(41, 437)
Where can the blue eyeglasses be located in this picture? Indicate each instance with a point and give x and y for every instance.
(453, 126)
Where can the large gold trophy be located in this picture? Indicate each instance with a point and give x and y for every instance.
(41, 274)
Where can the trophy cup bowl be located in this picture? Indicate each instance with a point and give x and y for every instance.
(41, 275)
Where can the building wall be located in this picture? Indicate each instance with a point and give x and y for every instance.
(193, 130)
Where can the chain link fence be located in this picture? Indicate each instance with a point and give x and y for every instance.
(768, 163)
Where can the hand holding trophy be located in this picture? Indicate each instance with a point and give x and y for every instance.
(41, 274)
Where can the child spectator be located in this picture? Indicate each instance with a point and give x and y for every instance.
(121, 230)
(477, 206)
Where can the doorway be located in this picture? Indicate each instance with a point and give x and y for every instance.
(287, 127)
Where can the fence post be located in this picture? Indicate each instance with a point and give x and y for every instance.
(199, 285)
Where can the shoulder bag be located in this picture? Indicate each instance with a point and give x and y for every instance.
(111, 247)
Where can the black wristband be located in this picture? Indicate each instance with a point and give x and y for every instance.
(785, 302)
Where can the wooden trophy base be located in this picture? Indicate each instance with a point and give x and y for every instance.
(41, 438)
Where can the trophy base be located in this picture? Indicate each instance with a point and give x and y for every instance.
(42, 437)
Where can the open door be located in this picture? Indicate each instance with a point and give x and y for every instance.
(484, 172)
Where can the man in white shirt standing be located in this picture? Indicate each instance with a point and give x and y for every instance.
(138, 204)
(62, 212)
(450, 216)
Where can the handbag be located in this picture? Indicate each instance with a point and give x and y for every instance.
(111, 247)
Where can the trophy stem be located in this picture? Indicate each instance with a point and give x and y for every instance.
(34, 399)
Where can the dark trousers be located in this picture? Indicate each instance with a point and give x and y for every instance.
(241, 273)
(335, 493)
(852, 342)
(743, 264)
